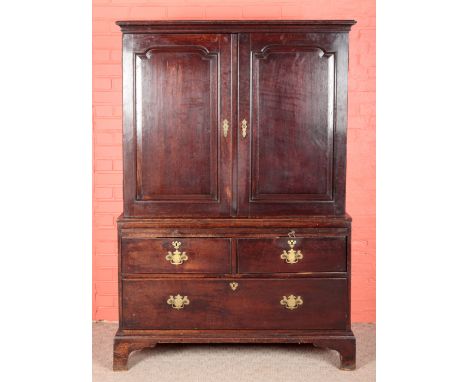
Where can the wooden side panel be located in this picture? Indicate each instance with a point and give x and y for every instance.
(254, 304)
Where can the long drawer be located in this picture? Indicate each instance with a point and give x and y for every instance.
(176, 255)
(319, 303)
(283, 255)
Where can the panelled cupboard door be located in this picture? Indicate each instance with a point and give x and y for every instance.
(292, 123)
(177, 124)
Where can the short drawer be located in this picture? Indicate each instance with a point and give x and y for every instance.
(319, 303)
(282, 255)
(176, 255)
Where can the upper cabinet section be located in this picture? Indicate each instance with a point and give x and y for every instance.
(234, 118)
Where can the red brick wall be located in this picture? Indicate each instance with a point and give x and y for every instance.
(107, 103)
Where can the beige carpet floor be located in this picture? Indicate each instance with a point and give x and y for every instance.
(233, 363)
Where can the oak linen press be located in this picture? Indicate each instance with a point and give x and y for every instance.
(234, 227)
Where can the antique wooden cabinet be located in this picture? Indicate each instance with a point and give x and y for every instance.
(234, 144)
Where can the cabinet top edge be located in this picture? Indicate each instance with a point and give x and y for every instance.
(232, 26)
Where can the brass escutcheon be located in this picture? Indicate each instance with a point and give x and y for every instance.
(225, 128)
(244, 128)
(233, 285)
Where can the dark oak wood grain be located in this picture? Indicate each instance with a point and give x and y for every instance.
(179, 138)
(234, 144)
(292, 122)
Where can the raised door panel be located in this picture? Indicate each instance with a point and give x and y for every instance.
(292, 115)
(177, 161)
(175, 98)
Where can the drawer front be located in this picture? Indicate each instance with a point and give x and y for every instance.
(327, 254)
(254, 304)
(176, 255)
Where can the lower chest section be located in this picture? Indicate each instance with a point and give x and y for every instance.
(234, 278)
